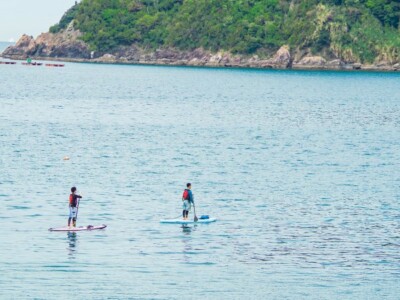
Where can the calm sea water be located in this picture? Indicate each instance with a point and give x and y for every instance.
(300, 168)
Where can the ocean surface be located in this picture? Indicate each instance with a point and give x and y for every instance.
(300, 168)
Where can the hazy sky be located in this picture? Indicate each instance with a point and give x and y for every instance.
(29, 16)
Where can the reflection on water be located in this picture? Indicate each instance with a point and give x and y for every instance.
(72, 240)
(187, 240)
(187, 245)
(186, 229)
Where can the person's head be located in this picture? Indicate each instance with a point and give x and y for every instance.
(188, 185)
(73, 189)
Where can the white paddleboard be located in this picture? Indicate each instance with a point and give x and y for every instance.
(80, 228)
(190, 221)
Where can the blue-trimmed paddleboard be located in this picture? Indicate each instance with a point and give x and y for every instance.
(190, 221)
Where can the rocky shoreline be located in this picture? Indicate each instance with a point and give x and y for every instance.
(66, 46)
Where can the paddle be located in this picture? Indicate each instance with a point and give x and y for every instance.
(77, 210)
(195, 217)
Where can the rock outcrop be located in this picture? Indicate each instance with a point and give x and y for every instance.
(24, 47)
(310, 62)
(65, 44)
(335, 64)
(106, 58)
(282, 58)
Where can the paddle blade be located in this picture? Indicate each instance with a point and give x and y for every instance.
(196, 218)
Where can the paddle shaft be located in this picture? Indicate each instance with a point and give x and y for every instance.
(77, 210)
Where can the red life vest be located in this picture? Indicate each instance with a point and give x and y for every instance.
(71, 199)
(185, 195)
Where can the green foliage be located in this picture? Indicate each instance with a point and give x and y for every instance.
(66, 19)
(350, 29)
(387, 11)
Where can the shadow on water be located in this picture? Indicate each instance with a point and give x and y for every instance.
(186, 229)
(72, 241)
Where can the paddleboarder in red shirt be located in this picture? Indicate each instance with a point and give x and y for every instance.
(73, 206)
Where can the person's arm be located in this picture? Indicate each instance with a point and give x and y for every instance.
(76, 199)
(191, 198)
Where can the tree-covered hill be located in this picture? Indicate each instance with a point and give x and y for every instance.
(352, 30)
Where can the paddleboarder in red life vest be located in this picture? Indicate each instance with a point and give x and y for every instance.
(73, 206)
(188, 200)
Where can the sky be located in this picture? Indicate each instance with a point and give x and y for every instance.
(29, 16)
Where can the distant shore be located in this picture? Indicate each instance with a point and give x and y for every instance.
(346, 67)
(66, 46)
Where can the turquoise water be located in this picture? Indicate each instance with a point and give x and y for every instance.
(300, 168)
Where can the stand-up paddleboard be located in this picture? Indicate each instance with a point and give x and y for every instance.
(180, 221)
(80, 228)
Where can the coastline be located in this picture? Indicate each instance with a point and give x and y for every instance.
(68, 47)
(163, 62)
